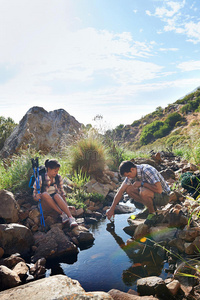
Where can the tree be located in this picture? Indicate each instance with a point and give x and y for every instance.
(6, 127)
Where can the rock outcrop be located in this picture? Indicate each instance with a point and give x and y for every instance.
(44, 130)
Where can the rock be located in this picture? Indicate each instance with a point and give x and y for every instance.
(52, 244)
(141, 231)
(168, 173)
(83, 235)
(1, 252)
(162, 233)
(11, 261)
(174, 287)
(123, 209)
(190, 234)
(118, 295)
(130, 230)
(8, 278)
(21, 270)
(45, 130)
(97, 187)
(54, 287)
(9, 208)
(16, 238)
(38, 269)
(152, 285)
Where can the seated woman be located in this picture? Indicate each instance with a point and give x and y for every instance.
(52, 192)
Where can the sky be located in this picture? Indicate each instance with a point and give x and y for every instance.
(120, 59)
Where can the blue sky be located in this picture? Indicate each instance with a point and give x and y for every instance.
(117, 58)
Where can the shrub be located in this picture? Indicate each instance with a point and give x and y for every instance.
(6, 127)
(172, 119)
(88, 156)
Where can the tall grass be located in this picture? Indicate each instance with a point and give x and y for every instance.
(15, 172)
(88, 156)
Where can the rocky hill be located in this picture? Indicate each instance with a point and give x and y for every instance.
(44, 130)
(184, 112)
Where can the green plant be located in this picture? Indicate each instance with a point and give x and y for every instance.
(6, 127)
(16, 172)
(88, 155)
(79, 179)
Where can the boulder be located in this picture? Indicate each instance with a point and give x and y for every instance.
(152, 285)
(44, 130)
(8, 207)
(119, 295)
(123, 209)
(16, 238)
(52, 244)
(54, 287)
(8, 278)
(94, 186)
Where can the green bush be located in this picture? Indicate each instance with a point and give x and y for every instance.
(6, 128)
(172, 119)
(88, 156)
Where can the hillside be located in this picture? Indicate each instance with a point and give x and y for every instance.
(177, 118)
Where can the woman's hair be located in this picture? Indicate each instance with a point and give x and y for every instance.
(126, 166)
(52, 164)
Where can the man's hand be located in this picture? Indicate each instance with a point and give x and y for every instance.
(110, 213)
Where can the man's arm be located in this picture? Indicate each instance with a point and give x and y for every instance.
(116, 200)
(156, 187)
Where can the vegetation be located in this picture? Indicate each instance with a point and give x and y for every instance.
(6, 127)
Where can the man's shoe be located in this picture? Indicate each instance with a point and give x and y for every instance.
(72, 222)
(151, 219)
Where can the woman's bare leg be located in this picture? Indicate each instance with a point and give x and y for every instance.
(62, 204)
(48, 202)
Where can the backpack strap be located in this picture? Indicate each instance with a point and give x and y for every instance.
(43, 180)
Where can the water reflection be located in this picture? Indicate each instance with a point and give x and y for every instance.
(144, 257)
(110, 263)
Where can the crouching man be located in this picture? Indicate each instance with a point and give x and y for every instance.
(145, 185)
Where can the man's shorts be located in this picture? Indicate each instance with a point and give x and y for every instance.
(161, 199)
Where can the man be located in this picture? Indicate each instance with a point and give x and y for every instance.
(148, 188)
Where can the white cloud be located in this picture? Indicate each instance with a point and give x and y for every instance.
(189, 66)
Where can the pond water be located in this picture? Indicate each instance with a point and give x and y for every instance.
(107, 264)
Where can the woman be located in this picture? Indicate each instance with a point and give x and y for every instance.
(52, 192)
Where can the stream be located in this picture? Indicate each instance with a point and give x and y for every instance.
(107, 264)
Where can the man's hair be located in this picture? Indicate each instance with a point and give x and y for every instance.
(126, 166)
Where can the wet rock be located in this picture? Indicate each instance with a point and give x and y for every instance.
(8, 278)
(54, 287)
(16, 238)
(9, 208)
(152, 286)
